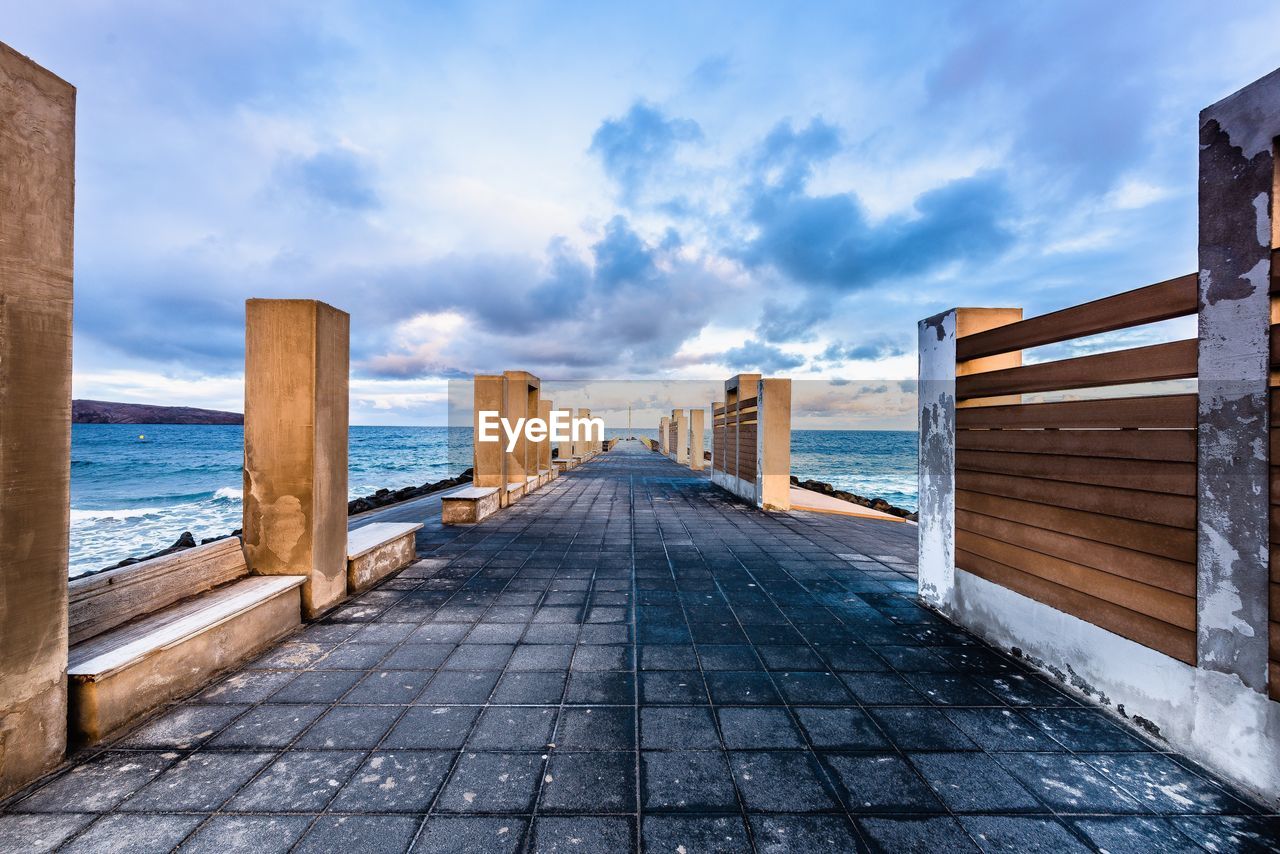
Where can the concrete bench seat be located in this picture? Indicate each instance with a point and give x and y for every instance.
(470, 505)
(145, 634)
(375, 551)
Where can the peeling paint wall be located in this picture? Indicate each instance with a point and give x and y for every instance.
(37, 197)
(1236, 180)
(1213, 717)
(936, 532)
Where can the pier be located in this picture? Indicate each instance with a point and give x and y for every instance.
(632, 656)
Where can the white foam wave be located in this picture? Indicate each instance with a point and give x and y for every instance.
(229, 492)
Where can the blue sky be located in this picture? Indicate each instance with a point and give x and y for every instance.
(617, 190)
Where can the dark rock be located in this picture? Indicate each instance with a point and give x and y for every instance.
(873, 503)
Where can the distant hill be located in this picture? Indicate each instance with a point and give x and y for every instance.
(105, 412)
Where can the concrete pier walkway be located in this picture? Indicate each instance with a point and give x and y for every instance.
(630, 658)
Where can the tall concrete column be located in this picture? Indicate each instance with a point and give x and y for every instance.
(521, 389)
(773, 444)
(37, 196)
(295, 445)
(565, 449)
(488, 456)
(664, 427)
(582, 444)
(696, 429)
(936, 473)
(1237, 233)
(544, 446)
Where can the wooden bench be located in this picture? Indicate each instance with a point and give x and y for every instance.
(469, 505)
(145, 634)
(375, 551)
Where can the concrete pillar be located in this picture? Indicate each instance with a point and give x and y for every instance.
(520, 401)
(565, 448)
(716, 463)
(682, 436)
(696, 429)
(544, 446)
(936, 474)
(582, 444)
(773, 444)
(37, 196)
(489, 456)
(296, 367)
(664, 424)
(1237, 234)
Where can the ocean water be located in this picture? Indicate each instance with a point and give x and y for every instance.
(136, 487)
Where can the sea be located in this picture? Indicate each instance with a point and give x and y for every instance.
(135, 488)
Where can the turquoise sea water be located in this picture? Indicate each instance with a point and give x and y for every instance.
(136, 487)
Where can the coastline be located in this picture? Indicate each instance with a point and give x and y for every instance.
(377, 500)
(873, 503)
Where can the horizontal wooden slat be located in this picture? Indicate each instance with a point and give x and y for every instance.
(1171, 445)
(1141, 475)
(1148, 631)
(1175, 577)
(1157, 362)
(102, 601)
(1155, 411)
(1162, 301)
(1164, 605)
(1177, 511)
(1178, 544)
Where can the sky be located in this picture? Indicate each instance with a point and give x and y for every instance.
(619, 191)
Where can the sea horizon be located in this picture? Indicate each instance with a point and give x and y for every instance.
(133, 496)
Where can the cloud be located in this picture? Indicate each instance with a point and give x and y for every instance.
(631, 147)
(880, 348)
(337, 178)
(829, 240)
(758, 356)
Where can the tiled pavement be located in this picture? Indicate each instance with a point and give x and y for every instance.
(629, 658)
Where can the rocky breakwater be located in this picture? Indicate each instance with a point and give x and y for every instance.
(874, 503)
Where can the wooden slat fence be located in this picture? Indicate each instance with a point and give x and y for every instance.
(1088, 506)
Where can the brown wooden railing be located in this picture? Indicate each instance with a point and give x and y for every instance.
(733, 438)
(1274, 598)
(1088, 506)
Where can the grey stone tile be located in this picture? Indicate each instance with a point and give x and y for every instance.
(583, 835)
(394, 782)
(367, 834)
(199, 783)
(513, 728)
(804, 834)
(677, 727)
(466, 835)
(589, 783)
(298, 781)
(185, 726)
(688, 781)
(781, 781)
(37, 833)
(268, 726)
(902, 834)
(1022, 834)
(98, 784)
(123, 833)
(259, 834)
(492, 783)
(432, 728)
(724, 834)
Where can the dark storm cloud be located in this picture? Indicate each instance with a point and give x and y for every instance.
(758, 356)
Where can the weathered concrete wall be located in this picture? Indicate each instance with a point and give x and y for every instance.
(1237, 174)
(1211, 716)
(295, 445)
(516, 399)
(681, 417)
(936, 474)
(37, 197)
(936, 402)
(663, 430)
(582, 444)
